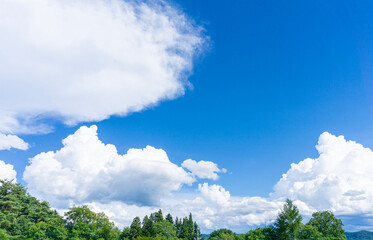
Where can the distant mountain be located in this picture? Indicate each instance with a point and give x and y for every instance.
(361, 235)
(205, 236)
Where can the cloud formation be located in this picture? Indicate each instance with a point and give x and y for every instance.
(86, 169)
(7, 171)
(212, 207)
(11, 141)
(85, 60)
(340, 179)
(202, 169)
(140, 182)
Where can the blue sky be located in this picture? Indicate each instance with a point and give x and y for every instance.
(269, 79)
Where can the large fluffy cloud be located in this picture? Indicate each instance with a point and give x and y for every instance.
(340, 179)
(11, 141)
(85, 60)
(86, 169)
(7, 171)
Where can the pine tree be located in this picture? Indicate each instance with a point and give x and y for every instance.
(197, 232)
(158, 216)
(169, 218)
(288, 222)
(147, 227)
(190, 226)
(135, 229)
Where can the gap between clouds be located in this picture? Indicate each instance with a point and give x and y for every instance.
(87, 171)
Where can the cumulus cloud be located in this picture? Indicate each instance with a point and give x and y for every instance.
(11, 141)
(340, 179)
(7, 171)
(85, 60)
(202, 169)
(86, 169)
(212, 207)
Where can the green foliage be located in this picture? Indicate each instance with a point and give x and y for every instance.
(169, 218)
(3, 235)
(22, 215)
(165, 230)
(135, 229)
(329, 226)
(288, 222)
(264, 233)
(223, 233)
(309, 232)
(81, 222)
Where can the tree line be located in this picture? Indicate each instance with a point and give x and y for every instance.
(288, 226)
(24, 217)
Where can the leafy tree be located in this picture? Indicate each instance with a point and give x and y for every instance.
(264, 233)
(309, 232)
(3, 235)
(329, 226)
(222, 233)
(81, 222)
(165, 230)
(288, 221)
(20, 212)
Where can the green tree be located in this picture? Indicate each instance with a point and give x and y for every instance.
(3, 235)
(135, 229)
(329, 226)
(158, 216)
(264, 233)
(125, 234)
(222, 234)
(165, 230)
(190, 228)
(309, 232)
(169, 218)
(147, 227)
(81, 222)
(197, 232)
(288, 222)
(20, 212)
(179, 227)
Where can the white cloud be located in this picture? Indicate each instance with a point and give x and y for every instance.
(7, 171)
(11, 141)
(85, 60)
(86, 169)
(202, 169)
(233, 212)
(340, 179)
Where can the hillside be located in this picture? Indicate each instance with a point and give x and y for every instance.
(361, 235)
